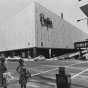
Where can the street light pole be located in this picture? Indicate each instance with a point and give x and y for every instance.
(47, 26)
(29, 58)
(28, 50)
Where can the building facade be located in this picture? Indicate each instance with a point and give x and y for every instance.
(37, 31)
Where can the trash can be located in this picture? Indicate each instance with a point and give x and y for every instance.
(63, 80)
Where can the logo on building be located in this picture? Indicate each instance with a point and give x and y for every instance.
(45, 21)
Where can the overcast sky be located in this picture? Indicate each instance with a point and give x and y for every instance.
(70, 9)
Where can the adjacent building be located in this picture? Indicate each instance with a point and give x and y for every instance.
(37, 31)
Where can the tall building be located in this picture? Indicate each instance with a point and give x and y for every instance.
(37, 31)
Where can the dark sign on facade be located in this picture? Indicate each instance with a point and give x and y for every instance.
(45, 21)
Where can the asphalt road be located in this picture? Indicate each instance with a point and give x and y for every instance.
(44, 73)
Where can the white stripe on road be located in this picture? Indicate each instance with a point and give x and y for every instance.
(31, 84)
(79, 73)
(64, 66)
(56, 69)
(44, 72)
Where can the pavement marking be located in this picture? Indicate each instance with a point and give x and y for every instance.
(52, 66)
(9, 75)
(79, 73)
(32, 85)
(57, 68)
(63, 66)
(51, 83)
(44, 72)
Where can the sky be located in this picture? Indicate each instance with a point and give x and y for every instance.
(70, 9)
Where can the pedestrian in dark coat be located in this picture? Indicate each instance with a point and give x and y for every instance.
(3, 69)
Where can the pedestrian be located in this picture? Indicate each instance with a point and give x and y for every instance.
(24, 74)
(21, 65)
(3, 69)
(22, 78)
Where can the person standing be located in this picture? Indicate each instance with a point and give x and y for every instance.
(3, 69)
(20, 66)
(23, 74)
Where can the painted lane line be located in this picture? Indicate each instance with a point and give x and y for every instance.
(44, 72)
(55, 69)
(79, 73)
(64, 66)
(76, 68)
(31, 84)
